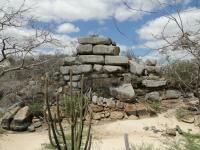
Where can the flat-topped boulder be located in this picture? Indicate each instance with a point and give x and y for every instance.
(106, 50)
(94, 40)
(116, 60)
(154, 83)
(84, 49)
(91, 59)
(112, 69)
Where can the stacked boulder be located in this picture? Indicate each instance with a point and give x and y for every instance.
(97, 56)
(127, 83)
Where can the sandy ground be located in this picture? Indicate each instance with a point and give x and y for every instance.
(109, 136)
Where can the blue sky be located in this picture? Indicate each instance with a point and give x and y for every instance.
(70, 19)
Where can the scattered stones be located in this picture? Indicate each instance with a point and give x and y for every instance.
(125, 92)
(116, 60)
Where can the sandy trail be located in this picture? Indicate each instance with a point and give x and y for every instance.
(109, 136)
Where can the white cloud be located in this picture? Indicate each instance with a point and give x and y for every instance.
(72, 10)
(67, 28)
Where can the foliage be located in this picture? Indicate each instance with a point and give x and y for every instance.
(155, 104)
(36, 109)
(181, 73)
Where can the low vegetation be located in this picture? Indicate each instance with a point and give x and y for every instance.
(155, 104)
(180, 113)
(36, 109)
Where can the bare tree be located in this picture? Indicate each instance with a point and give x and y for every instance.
(20, 47)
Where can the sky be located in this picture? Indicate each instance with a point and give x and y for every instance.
(132, 24)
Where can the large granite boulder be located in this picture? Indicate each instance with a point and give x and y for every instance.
(124, 92)
(136, 68)
(112, 69)
(91, 59)
(116, 60)
(95, 40)
(21, 120)
(153, 83)
(106, 50)
(84, 49)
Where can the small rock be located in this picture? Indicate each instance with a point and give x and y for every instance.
(151, 62)
(116, 115)
(188, 119)
(178, 129)
(37, 124)
(96, 116)
(96, 108)
(31, 128)
(146, 128)
(171, 132)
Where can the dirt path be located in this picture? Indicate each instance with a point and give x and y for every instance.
(109, 136)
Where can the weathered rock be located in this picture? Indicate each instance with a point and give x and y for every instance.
(96, 108)
(94, 99)
(153, 83)
(116, 60)
(106, 50)
(84, 49)
(110, 102)
(112, 69)
(21, 120)
(98, 68)
(188, 118)
(171, 132)
(100, 101)
(91, 59)
(125, 92)
(75, 84)
(172, 94)
(136, 68)
(31, 128)
(153, 96)
(37, 124)
(79, 69)
(116, 115)
(119, 105)
(76, 77)
(70, 60)
(151, 77)
(98, 76)
(133, 117)
(95, 40)
(64, 70)
(66, 77)
(151, 62)
(153, 69)
(139, 110)
(96, 116)
(197, 121)
(8, 117)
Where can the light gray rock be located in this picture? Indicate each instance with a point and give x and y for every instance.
(31, 128)
(112, 69)
(110, 102)
(91, 59)
(125, 92)
(79, 69)
(100, 101)
(116, 60)
(76, 77)
(153, 96)
(153, 69)
(106, 50)
(84, 49)
(153, 83)
(70, 60)
(21, 120)
(97, 76)
(172, 94)
(66, 78)
(94, 99)
(75, 84)
(95, 40)
(98, 68)
(151, 62)
(136, 68)
(64, 70)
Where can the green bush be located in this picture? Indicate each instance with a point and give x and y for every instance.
(36, 109)
(155, 104)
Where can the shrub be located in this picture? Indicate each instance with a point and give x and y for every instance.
(36, 109)
(180, 113)
(155, 104)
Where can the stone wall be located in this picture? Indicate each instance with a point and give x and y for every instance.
(127, 83)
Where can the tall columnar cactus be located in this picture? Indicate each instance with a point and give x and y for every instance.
(76, 106)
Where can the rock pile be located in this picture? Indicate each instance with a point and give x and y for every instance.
(124, 83)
